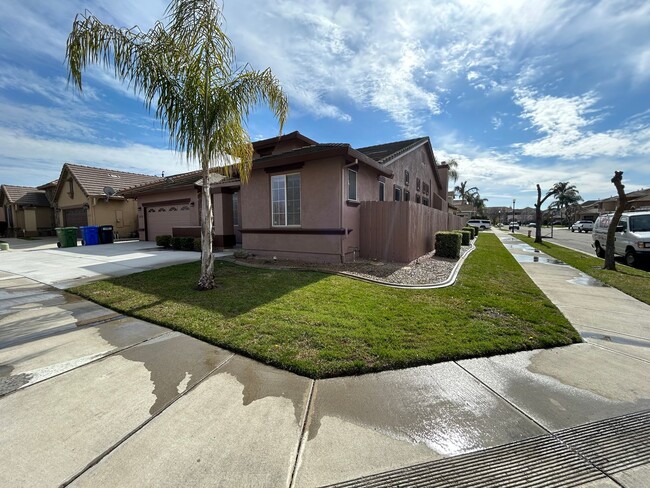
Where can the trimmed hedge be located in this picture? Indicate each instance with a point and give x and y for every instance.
(448, 244)
(473, 230)
(197, 244)
(177, 243)
(187, 243)
(467, 235)
(163, 241)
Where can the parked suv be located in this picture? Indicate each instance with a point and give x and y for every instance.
(480, 223)
(632, 236)
(582, 226)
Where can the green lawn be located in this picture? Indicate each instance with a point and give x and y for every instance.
(634, 282)
(321, 325)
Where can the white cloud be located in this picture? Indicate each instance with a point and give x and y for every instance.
(44, 158)
(564, 123)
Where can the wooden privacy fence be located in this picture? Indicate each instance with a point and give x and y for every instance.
(401, 231)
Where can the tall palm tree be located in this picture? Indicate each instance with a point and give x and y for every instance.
(565, 194)
(186, 70)
(463, 192)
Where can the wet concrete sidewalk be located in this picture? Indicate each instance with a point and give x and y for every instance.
(92, 398)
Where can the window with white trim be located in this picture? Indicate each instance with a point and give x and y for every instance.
(398, 193)
(381, 191)
(235, 208)
(352, 185)
(285, 200)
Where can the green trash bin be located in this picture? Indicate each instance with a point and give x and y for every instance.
(67, 236)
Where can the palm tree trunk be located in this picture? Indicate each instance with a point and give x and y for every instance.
(206, 281)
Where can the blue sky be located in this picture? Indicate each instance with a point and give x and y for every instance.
(518, 92)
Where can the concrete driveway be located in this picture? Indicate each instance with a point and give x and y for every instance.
(41, 260)
(91, 398)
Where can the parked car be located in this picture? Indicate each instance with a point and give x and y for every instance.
(513, 226)
(480, 223)
(632, 236)
(532, 224)
(583, 226)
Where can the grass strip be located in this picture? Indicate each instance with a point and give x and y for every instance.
(322, 325)
(634, 282)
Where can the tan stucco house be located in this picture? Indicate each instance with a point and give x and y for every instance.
(26, 212)
(312, 201)
(84, 196)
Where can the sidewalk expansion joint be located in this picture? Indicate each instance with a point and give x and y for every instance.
(303, 434)
(137, 429)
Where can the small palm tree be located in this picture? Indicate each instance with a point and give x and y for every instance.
(186, 70)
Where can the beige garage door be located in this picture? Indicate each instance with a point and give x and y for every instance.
(161, 219)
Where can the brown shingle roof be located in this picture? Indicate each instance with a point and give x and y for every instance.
(316, 151)
(172, 182)
(25, 196)
(93, 180)
(385, 152)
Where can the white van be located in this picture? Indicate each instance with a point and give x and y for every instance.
(480, 223)
(632, 236)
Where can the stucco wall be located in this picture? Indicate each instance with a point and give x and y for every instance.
(320, 194)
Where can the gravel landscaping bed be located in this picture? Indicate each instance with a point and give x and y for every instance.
(425, 270)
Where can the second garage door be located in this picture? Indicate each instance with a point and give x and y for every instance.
(161, 219)
(75, 217)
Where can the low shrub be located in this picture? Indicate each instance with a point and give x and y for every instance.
(163, 241)
(467, 235)
(197, 244)
(448, 244)
(187, 243)
(473, 230)
(177, 243)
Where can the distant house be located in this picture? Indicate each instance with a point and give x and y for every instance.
(26, 211)
(85, 195)
(587, 210)
(638, 199)
(312, 201)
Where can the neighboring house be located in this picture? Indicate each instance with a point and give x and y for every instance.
(638, 199)
(80, 198)
(172, 206)
(587, 210)
(26, 211)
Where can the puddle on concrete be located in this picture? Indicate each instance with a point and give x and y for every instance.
(261, 381)
(10, 383)
(586, 280)
(171, 359)
(438, 406)
(615, 339)
(524, 258)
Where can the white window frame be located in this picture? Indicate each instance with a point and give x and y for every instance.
(382, 191)
(284, 177)
(356, 186)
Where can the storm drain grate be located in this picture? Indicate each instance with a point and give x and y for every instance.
(570, 457)
(537, 462)
(612, 445)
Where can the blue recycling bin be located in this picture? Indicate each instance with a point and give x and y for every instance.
(89, 235)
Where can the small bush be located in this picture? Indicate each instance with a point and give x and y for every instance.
(177, 243)
(448, 244)
(467, 235)
(473, 231)
(197, 244)
(187, 243)
(163, 241)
